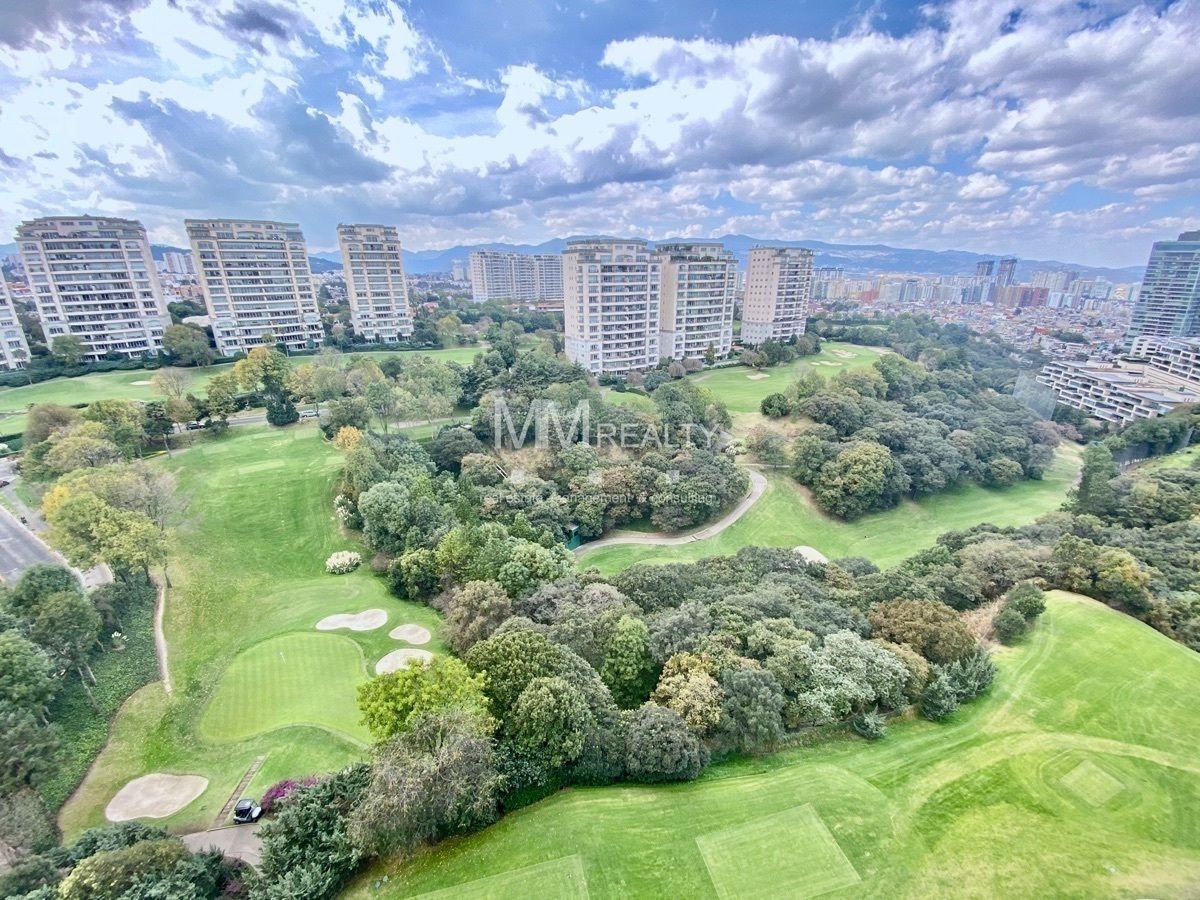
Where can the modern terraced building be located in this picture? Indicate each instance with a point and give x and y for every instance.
(257, 284)
(94, 278)
(696, 295)
(374, 271)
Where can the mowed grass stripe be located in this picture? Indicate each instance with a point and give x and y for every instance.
(788, 854)
(562, 879)
(295, 679)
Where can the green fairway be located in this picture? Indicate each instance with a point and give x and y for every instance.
(785, 516)
(1076, 776)
(252, 676)
(135, 385)
(742, 389)
(1180, 459)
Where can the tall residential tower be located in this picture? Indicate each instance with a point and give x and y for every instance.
(698, 281)
(611, 305)
(94, 278)
(256, 282)
(509, 277)
(1169, 302)
(14, 351)
(778, 287)
(374, 272)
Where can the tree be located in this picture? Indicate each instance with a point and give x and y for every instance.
(1095, 495)
(452, 445)
(931, 628)
(222, 393)
(86, 444)
(187, 344)
(263, 369)
(27, 679)
(112, 874)
(659, 747)
(770, 447)
(1120, 579)
(381, 400)
(281, 410)
(1009, 626)
(753, 708)
(474, 612)
(308, 842)
(437, 778)
(688, 688)
(628, 669)
(45, 419)
(390, 703)
(1027, 599)
(157, 424)
(173, 384)
(66, 625)
(939, 699)
(511, 660)
(68, 349)
(28, 751)
(776, 406)
(549, 722)
(862, 477)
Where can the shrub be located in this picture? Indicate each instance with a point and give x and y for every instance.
(1009, 625)
(776, 406)
(939, 699)
(281, 790)
(343, 562)
(659, 747)
(870, 725)
(1027, 599)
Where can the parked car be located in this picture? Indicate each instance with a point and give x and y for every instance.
(246, 811)
(308, 414)
(193, 426)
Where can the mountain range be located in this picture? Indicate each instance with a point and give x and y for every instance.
(854, 258)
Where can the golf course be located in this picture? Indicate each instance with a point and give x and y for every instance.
(785, 516)
(1075, 776)
(252, 675)
(135, 385)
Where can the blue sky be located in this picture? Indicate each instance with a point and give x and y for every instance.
(1043, 128)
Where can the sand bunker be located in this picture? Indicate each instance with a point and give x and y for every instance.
(398, 659)
(758, 376)
(367, 620)
(141, 382)
(811, 554)
(411, 634)
(154, 797)
(844, 354)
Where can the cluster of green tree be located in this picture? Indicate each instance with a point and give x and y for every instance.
(129, 861)
(1129, 540)
(645, 677)
(774, 353)
(902, 429)
(65, 666)
(993, 362)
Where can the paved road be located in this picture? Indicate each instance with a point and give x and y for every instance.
(758, 486)
(237, 842)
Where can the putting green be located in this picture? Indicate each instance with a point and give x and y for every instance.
(562, 879)
(975, 806)
(295, 679)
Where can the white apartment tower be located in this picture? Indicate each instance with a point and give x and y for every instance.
(94, 278)
(698, 282)
(374, 272)
(778, 287)
(256, 281)
(14, 351)
(611, 305)
(515, 277)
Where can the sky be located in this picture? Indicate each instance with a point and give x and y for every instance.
(1048, 129)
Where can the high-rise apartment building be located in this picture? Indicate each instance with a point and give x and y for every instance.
(256, 282)
(611, 296)
(509, 277)
(374, 271)
(14, 350)
(1054, 280)
(1006, 273)
(177, 263)
(778, 287)
(984, 268)
(1168, 304)
(696, 295)
(94, 278)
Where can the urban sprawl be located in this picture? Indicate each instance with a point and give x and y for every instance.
(1117, 352)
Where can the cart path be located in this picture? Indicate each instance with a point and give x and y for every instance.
(223, 815)
(758, 486)
(160, 638)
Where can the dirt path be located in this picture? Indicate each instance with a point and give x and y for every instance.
(758, 486)
(160, 639)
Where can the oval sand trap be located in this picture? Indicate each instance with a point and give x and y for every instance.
(398, 659)
(811, 554)
(367, 620)
(410, 634)
(154, 797)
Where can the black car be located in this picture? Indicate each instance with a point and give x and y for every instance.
(246, 811)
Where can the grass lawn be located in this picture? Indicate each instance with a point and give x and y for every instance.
(135, 385)
(1180, 459)
(742, 389)
(1075, 777)
(785, 516)
(252, 676)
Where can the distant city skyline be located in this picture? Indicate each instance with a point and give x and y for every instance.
(1057, 130)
